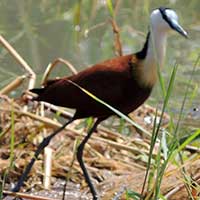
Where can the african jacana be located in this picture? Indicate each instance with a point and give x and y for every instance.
(124, 82)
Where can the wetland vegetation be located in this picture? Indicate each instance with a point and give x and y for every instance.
(81, 32)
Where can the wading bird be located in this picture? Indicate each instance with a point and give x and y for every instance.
(124, 82)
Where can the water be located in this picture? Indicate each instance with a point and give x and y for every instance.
(42, 31)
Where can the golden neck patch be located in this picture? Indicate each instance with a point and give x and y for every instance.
(145, 73)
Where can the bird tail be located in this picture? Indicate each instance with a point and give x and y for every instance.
(39, 92)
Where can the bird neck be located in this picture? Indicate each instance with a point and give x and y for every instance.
(154, 48)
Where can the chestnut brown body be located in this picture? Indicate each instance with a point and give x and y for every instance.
(113, 81)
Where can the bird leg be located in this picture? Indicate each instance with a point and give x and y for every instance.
(81, 163)
(42, 145)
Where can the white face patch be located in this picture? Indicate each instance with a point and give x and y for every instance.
(171, 18)
(171, 14)
(158, 23)
(163, 20)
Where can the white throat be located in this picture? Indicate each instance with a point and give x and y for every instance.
(156, 48)
(155, 56)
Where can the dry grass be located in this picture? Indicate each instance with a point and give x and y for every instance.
(114, 161)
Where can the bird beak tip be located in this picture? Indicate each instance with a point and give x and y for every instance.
(180, 30)
(185, 34)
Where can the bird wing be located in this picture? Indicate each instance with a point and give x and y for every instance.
(107, 80)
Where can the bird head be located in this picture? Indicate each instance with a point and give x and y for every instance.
(166, 19)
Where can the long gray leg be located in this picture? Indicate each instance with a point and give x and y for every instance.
(42, 145)
(80, 159)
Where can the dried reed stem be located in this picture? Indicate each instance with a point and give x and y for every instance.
(53, 64)
(13, 85)
(21, 61)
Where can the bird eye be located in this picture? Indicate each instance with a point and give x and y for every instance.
(195, 109)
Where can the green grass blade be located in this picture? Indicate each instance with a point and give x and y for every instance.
(77, 13)
(175, 141)
(161, 169)
(150, 154)
(164, 144)
(186, 94)
(12, 139)
(161, 81)
(12, 145)
(189, 140)
(132, 195)
(110, 7)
